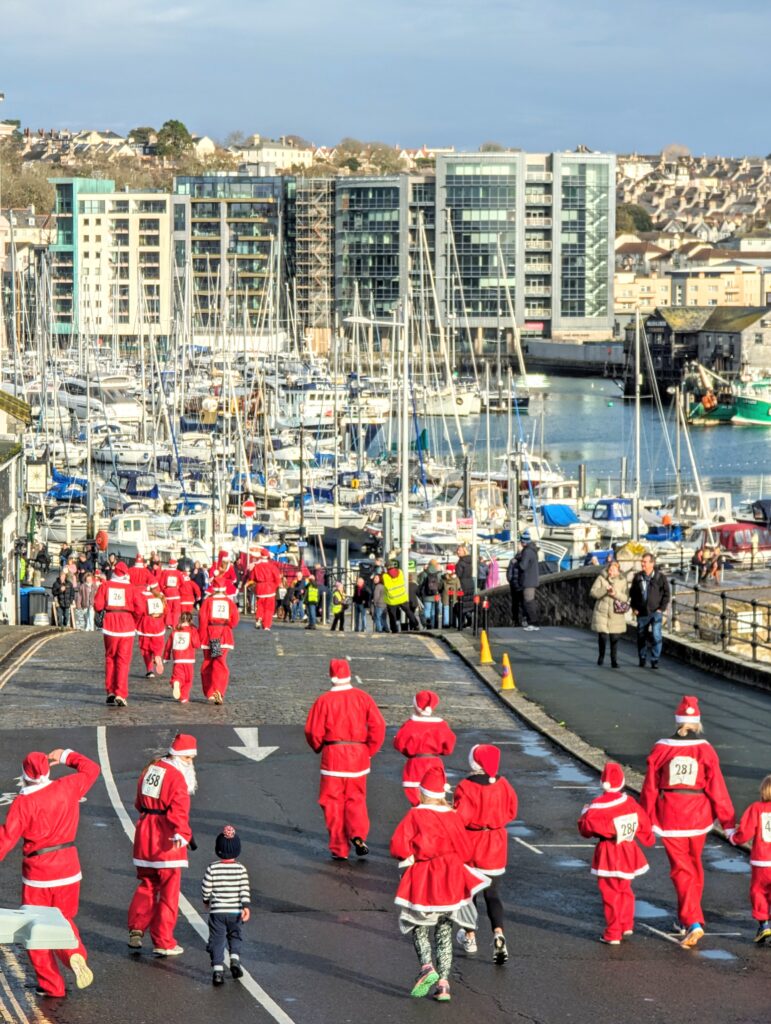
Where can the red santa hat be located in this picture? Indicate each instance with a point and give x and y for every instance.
(484, 757)
(139, 560)
(223, 556)
(612, 777)
(425, 702)
(154, 585)
(184, 745)
(339, 672)
(688, 710)
(434, 784)
(35, 767)
(172, 562)
(121, 569)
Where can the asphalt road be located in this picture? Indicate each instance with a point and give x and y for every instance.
(323, 944)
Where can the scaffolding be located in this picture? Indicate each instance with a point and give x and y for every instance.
(315, 251)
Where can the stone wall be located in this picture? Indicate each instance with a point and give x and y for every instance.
(563, 599)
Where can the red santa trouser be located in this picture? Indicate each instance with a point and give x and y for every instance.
(215, 674)
(156, 904)
(151, 647)
(264, 610)
(760, 893)
(66, 898)
(687, 874)
(173, 611)
(618, 904)
(344, 802)
(184, 675)
(117, 662)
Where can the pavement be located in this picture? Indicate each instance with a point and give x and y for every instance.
(323, 944)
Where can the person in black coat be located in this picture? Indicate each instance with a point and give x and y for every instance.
(63, 593)
(526, 579)
(465, 574)
(649, 597)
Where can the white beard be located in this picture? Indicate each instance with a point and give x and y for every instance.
(188, 770)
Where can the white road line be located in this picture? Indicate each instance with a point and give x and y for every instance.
(522, 842)
(662, 935)
(13, 1000)
(568, 846)
(436, 649)
(192, 916)
(5, 1015)
(18, 973)
(279, 650)
(14, 668)
(585, 785)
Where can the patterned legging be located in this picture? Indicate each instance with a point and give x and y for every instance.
(420, 937)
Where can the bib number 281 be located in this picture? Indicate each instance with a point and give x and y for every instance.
(683, 771)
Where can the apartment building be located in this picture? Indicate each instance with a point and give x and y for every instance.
(111, 263)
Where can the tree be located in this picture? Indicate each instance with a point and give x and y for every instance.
(141, 136)
(173, 139)
(674, 151)
(384, 158)
(631, 218)
(491, 147)
(234, 138)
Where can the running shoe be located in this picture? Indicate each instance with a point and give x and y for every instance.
(174, 951)
(610, 942)
(176, 690)
(217, 697)
(424, 981)
(442, 992)
(359, 846)
(236, 969)
(694, 933)
(110, 698)
(468, 943)
(500, 952)
(149, 675)
(763, 932)
(218, 976)
(83, 973)
(120, 701)
(135, 938)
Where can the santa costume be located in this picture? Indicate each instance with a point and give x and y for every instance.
(423, 739)
(161, 840)
(225, 574)
(683, 793)
(619, 822)
(486, 803)
(45, 815)
(170, 581)
(139, 575)
(266, 578)
(755, 828)
(151, 628)
(184, 640)
(189, 594)
(217, 618)
(438, 886)
(345, 726)
(118, 599)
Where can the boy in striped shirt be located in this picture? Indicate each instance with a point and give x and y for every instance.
(225, 892)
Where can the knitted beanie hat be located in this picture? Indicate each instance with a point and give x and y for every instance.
(227, 845)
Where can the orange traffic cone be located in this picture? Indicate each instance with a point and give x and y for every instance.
(507, 676)
(485, 655)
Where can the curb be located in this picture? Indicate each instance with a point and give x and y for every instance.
(29, 643)
(535, 716)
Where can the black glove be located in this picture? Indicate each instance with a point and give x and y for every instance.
(192, 845)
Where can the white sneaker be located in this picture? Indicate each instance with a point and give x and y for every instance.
(466, 943)
(531, 629)
(175, 690)
(83, 973)
(174, 951)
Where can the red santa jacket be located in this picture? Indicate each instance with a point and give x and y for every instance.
(684, 790)
(345, 725)
(486, 808)
(266, 578)
(217, 618)
(117, 598)
(182, 645)
(140, 577)
(227, 579)
(618, 821)
(150, 612)
(47, 815)
(163, 803)
(755, 827)
(423, 740)
(434, 846)
(170, 580)
(189, 593)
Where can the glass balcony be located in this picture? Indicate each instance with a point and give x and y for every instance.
(538, 268)
(545, 176)
(539, 312)
(538, 244)
(538, 199)
(537, 289)
(537, 222)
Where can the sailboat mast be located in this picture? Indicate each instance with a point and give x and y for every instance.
(636, 501)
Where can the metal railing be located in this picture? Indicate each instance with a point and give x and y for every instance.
(736, 625)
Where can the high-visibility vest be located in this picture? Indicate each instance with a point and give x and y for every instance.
(395, 589)
(337, 602)
(312, 594)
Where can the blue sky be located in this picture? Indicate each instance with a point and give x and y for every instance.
(539, 74)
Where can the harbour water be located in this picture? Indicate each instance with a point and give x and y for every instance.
(585, 420)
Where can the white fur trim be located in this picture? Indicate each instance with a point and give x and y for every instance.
(425, 718)
(472, 763)
(407, 862)
(613, 789)
(112, 632)
(341, 684)
(681, 833)
(761, 863)
(678, 743)
(608, 803)
(64, 755)
(159, 863)
(345, 775)
(180, 839)
(491, 872)
(431, 794)
(54, 883)
(411, 785)
(680, 719)
(442, 808)
(183, 753)
(602, 873)
(34, 785)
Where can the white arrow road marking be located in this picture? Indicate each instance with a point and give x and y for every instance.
(192, 916)
(657, 931)
(251, 745)
(522, 842)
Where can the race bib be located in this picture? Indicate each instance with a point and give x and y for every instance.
(683, 771)
(153, 781)
(626, 827)
(116, 597)
(172, 581)
(220, 608)
(181, 641)
(765, 826)
(154, 606)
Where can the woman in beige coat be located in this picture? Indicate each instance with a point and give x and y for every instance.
(609, 590)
